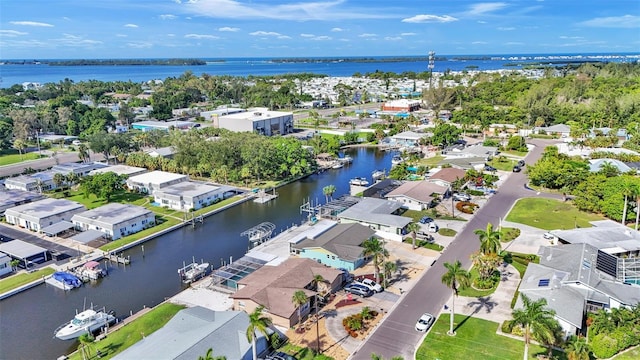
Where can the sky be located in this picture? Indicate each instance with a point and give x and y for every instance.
(92, 29)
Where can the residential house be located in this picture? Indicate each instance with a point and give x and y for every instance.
(151, 125)
(42, 213)
(561, 130)
(471, 151)
(12, 198)
(574, 280)
(79, 169)
(620, 134)
(38, 182)
(407, 138)
(127, 170)
(497, 129)
(339, 247)
(165, 152)
(380, 215)
(153, 181)
(115, 220)
(597, 165)
(188, 195)
(447, 176)
(195, 330)
(418, 195)
(5, 264)
(274, 286)
(464, 163)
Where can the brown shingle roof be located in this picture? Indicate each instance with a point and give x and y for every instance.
(273, 286)
(449, 174)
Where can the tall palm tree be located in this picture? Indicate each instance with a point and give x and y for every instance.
(455, 278)
(578, 349)
(389, 267)
(637, 209)
(535, 318)
(257, 322)
(209, 356)
(374, 248)
(83, 153)
(299, 298)
(489, 240)
(628, 190)
(328, 191)
(86, 341)
(413, 228)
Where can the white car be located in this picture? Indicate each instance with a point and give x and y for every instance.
(372, 285)
(548, 236)
(425, 322)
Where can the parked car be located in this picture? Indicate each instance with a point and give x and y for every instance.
(358, 289)
(347, 277)
(432, 227)
(425, 322)
(279, 355)
(424, 236)
(521, 163)
(517, 168)
(548, 236)
(461, 197)
(425, 220)
(490, 168)
(372, 285)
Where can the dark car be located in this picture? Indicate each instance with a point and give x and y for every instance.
(490, 168)
(521, 163)
(425, 220)
(517, 169)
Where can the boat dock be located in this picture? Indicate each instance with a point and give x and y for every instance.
(118, 259)
(262, 196)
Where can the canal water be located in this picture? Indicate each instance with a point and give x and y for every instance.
(28, 320)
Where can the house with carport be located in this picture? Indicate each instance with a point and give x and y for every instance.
(150, 182)
(12, 198)
(42, 213)
(115, 220)
(418, 195)
(378, 214)
(193, 331)
(338, 247)
(274, 286)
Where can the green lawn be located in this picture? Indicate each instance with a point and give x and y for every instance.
(15, 281)
(503, 163)
(632, 354)
(550, 214)
(92, 202)
(472, 292)
(509, 233)
(16, 158)
(162, 222)
(131, 333)
(447, 232)
(432, 161)
(475, 339)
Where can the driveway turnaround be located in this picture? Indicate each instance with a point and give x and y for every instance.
(396, 335)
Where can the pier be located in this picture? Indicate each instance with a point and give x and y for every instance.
(262, 196)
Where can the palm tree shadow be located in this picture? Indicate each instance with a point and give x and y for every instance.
(479, 304)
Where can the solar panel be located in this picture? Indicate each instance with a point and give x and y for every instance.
(543, 282)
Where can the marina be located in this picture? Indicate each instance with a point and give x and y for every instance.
(217, 241)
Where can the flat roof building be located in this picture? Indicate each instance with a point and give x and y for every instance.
(120, 170)
(12, 198)
(189, 195)
(150, 125)
(155, 180)
(405, 105)
(40, 181)
(115, 220)
(259, 120)
(80, 169)
(42, 213)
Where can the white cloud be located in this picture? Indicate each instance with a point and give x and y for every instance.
(121, 35)
(140, 45)
(30, 23)
(479, 43)
(307, 35)
(12, 33)
(131, 25)
(625, 21)
(408, 34)
(481, 22)
(483, 8)
(367, 35)
(571, 37)
(228, 29)
(284, 37)
(393, 38)
(344, 40)
(76, 41)
(201, 36)
(264, 33)
(511, 28)
(167, 17)
(337, 29)
(322, 38)
(512, 43)
(430, 19)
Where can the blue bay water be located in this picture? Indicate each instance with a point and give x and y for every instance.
(11, 74)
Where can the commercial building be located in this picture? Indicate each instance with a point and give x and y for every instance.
(150, 125)
(153, 181)
(115, 220)
(189, 195)
(258, 120)
(42, 213)
(404, 105)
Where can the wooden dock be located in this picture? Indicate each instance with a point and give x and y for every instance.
(119, 259)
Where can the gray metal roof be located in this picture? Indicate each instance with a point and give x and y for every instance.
(44, 208)
(88, 236)
(376, 211)
(21, 249)
(111, 214)
(607, 236)
(191, 332)
(190, 189)
(57, 228)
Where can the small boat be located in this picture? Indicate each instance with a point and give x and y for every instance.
(91, 270)
(193, 272)
(346, 159)
(84, 322)
(396, 160)
(378, 175)
(337, 165)
(64, 280)
(359, 181)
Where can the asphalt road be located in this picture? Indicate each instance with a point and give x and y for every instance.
(396, 335)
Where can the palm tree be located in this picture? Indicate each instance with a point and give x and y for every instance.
(413, 228)
(209, 356)
(85, 345)
(455, 278)
(299, 298)
(374, 248)
(389, 267)
(627, 191)
(83, 153)
(257, 322)
(535, 318)
(19, 145)
(489, 240)
(578, 349)
(328, 191)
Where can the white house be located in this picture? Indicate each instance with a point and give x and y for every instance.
(417, 195)
(42, 213)
(120, 170)
(189, 195)
(115, 220)
(380, 215)
(80, 169)
(41, 181)
(155, 180)
(5, 264)
(12, 198)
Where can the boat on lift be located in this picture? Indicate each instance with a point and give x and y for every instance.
(337, 165)
(193, 272)
(347, 159)
(378, 175)
(359, 181)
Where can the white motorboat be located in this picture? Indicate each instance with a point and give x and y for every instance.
(396, 160)
(378, 175)
(359, 181)
(337, 165)
(193, 272)
(346, 159)
(84, 322)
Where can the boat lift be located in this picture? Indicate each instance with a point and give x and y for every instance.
(259, 233)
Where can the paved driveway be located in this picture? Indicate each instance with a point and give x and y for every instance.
(395, 335)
